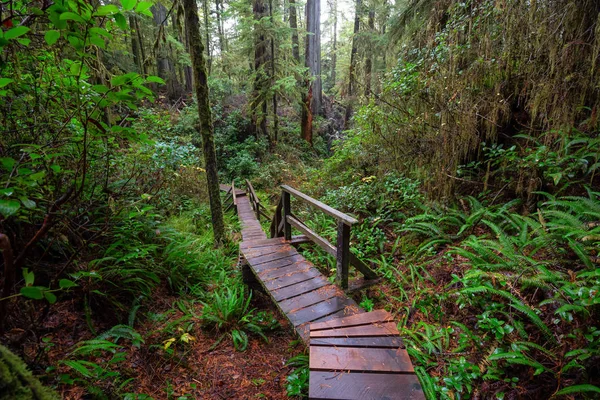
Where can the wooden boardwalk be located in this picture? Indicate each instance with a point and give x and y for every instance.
(353, 354)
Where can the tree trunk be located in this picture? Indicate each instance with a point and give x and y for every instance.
(207, 33)
(164, 65)
(353, 53)
(294, 28)
(144, 69)
(261, 65)
(192, 25)
(187, 69)
(334, 50)
(135, 47)
(273, 78)
(221, 27)
(369, 53)
(313, 52)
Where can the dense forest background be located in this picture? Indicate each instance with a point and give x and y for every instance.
(463, 135)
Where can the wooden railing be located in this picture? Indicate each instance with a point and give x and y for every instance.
(284, 220)
(255, 201)
(230, 195)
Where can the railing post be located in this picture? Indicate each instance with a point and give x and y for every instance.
(287, 228)
(342, 254)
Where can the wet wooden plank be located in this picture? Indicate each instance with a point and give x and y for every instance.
(283, 262)
(355, 320)
(319, 310)
(390, 342)
(258, 259)
(359, 359)
(304, 329)
(382, 329)
(261, 243)
(350, 386)
(297, 267)
(309, 299)
(266, 250)
(299, 288)
(291, 279)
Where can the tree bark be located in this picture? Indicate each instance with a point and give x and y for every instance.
(369, 53)
(354, 51)
(261, 65)
(135, 47)
(294, 28)
(207, 33)
(192, 25)
(313, 52)
(144, 69)
(273, 78)
(334, 49)
(353, 55)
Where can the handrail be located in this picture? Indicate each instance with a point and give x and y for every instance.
(284, 220)
(348, 220)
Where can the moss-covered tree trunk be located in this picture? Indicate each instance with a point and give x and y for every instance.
(192, 25)
(17, 383)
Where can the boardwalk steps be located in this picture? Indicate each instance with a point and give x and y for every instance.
(353, 354)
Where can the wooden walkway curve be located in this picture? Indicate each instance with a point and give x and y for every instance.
(353, 354)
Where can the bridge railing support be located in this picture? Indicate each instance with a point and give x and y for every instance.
(284, 220)
(255, 201)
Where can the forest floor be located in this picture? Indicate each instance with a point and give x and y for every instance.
(201, 370)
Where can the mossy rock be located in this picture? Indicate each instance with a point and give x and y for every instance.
(17, 383)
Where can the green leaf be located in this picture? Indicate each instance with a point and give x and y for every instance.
(577, 389)
(5, 81)
(121, 21)
(96, 41)
(9, 207)
(33, 292)
(128, 4)
(16, 32)
(51, 37)
(50, 297)
(24, 41)
(108, 9)
(155, 79)
(66, 284)
(27, 202)
(69, 16)
(28, 276)
(100, 89)
(7, 192)
(143, 6)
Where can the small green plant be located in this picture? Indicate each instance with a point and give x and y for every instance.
(298, 379)
(228, 313)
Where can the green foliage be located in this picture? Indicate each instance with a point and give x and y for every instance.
(228, 312)
(298, 379)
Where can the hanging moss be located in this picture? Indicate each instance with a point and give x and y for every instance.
(480, 70)
(17, 383)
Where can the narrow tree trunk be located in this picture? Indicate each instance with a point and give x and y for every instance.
(135, 47)
(294, 28)
(334, 50)
(207, 33)
(273, 78)
(220, 27)
(187, 69)
(353, 55)
(354, 51)
(313, 52)
(144, 69)
(192, 25)
(261, 66)
(369, 53)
